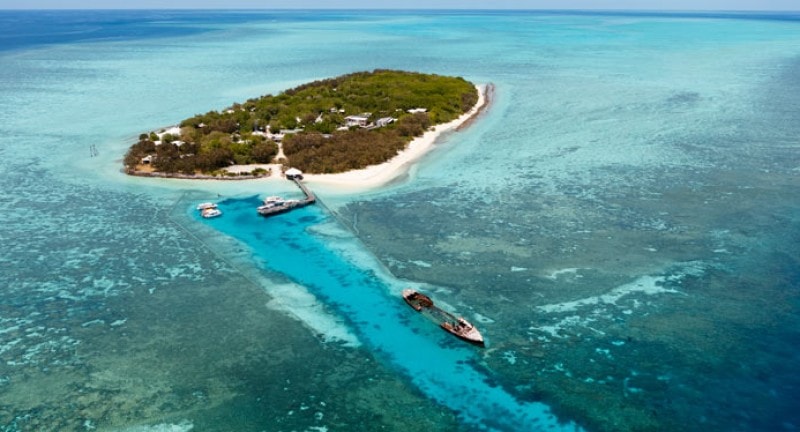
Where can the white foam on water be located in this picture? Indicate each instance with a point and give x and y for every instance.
(649, 285)
(9, 345)
(296, 301)
(93, 323)
(9, 329)
(556, 273)
(119, 322)
(184, 426)
(605, 352)
(554, 330)
(691, 268)
(591, 309)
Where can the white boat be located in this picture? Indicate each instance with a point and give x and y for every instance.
(271, 201)
(206, 205)
(211, 213)
(276, 203)
(271, 204)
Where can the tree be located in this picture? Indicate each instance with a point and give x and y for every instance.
(216, 139)
(264, 152)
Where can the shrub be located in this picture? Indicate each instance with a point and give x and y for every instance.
(226, 137)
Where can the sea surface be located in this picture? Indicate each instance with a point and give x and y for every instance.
(622, 224)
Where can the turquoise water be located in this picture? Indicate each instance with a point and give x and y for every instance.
(621, 224)
(442, 367)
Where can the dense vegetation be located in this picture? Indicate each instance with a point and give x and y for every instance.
(312, 117)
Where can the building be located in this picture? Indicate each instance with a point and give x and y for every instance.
(385, 121)
(357, 120)
(294, 173)
(417, 110)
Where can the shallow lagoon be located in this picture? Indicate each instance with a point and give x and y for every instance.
(369, 302)
(621, 224)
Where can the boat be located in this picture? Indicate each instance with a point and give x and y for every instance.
(464, 330)
(206, 205)
(268, 206)
(211, 213)
(276, 202)
(274, 205)
(457, 326)
(271, 201)
(416, 300)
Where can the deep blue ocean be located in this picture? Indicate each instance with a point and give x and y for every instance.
(621, 223)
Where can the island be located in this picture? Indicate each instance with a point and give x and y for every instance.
(337, 125)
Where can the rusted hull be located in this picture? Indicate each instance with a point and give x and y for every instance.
(416, 300)
(457, 326)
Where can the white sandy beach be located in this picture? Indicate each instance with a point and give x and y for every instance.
(362, 180)
(378, 175)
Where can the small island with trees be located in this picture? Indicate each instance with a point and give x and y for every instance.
(328, 126)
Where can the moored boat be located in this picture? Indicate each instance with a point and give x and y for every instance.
(274, 205)
(457, 326)
(211, 213)
(206, 205)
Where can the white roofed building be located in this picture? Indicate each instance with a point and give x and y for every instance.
(294, 173)
(384, 121)
(357, 120)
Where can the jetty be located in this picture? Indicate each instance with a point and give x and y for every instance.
(276, 206)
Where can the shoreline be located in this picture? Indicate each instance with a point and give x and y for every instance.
(365, 179)
(375, 176)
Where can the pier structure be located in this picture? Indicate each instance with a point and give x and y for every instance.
(287, 205)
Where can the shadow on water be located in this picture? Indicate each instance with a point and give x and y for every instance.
(437, 364)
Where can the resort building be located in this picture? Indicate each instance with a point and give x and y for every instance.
(357, 120)
(385, 121)
(294, 173)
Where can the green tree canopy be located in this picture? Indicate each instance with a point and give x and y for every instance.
(218, 138)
